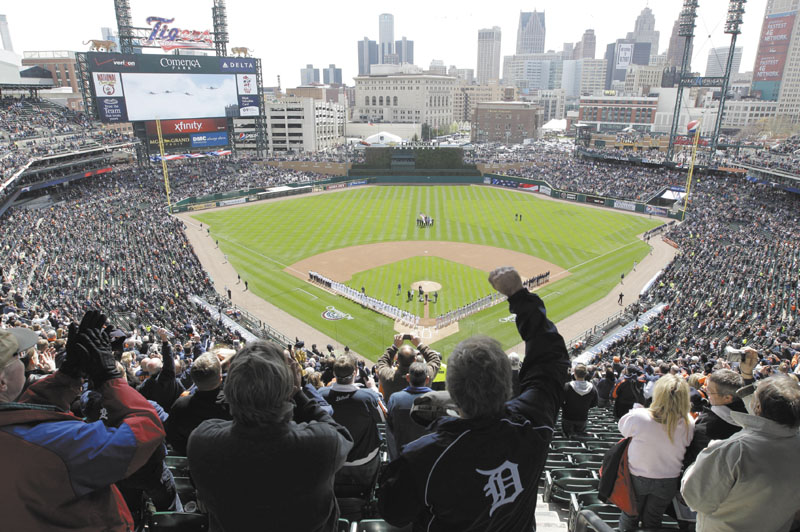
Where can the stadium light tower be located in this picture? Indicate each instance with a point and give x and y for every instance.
(686, 23)
(732, 27)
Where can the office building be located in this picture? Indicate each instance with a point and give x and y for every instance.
(61, 64)
(718, 60)
(332, 75)
(644, 30)
(534, 71)
(437, 67)
(552, 103)
(404, 50)
(462, 74)
(405, 98)
(309, 75)
(5, 35)
(530, 33)
(776, 73)
(507, 122)
(677, 45)
(614, 113)
(385, 36)
(489, 54)
(298, 125)
(467, 96)
(620, 55)
(586, 47)
(639, 79)
(367, 55)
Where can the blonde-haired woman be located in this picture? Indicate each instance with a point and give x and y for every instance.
(659, 437)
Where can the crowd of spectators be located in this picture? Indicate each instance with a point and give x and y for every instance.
(784, 156)
(734, 281)
(107, 244)
(556, 164)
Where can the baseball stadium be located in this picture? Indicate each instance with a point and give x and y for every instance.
(427, 302)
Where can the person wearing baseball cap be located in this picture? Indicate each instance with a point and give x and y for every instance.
(63, 470)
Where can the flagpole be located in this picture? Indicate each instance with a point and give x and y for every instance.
(691, 171)
(163, 162)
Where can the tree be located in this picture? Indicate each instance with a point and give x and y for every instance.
(426, 131)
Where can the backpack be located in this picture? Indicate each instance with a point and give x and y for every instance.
(615, 479)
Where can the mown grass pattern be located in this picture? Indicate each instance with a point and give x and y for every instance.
(596, 245)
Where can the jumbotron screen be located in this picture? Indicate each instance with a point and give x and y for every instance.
(137, 87)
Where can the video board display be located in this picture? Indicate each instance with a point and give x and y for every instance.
(139, 87)
(773, 51)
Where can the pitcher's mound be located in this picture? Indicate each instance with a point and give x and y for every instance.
(427, 286)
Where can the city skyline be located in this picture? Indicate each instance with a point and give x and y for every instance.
(275, 39)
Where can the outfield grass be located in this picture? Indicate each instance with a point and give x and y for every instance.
(596, 245)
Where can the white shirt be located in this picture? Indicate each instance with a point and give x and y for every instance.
(651, 454)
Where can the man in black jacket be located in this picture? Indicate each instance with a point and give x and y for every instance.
(274, 463)
(480, 472)
(579, 397)
(716, 423)
(162, 386)
(207, 402)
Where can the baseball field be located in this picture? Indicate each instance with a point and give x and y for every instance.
(368, 238)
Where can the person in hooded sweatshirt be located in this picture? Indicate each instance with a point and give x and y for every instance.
(580, 395)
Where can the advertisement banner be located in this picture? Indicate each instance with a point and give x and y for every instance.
(170, 143)
(246, 84)
(545, 190)
(178, 127)
(112, 109)
(107, 85)
(236, 201)
(625, 205)
(487, 180)
(505, 183)
(248, 105)
(624, 55)
(596, 200)
(529, 187)
(237, 65)
(202, 140)
(658, 211)
(356, 183)
(245, 137)
(773, 47)
(334, 186)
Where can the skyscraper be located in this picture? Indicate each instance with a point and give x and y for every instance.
(586, 48)
(332, 75)
(488, 54)
(718, 60)
(622, 54)
(404, 50)
(5, 36)
(530, 33)
(367, 55)
(645, 30)
(385, 36)
(776, 73)
(309, 75)
(677, 44)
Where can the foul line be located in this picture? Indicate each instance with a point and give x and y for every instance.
(262, 255)
(309, 293)
(594, 259)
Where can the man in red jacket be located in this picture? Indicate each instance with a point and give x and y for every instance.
(58, 472)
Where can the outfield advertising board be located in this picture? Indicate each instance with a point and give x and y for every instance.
(596, 200)
(147, 87)
(625, 205)
(545, 190)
